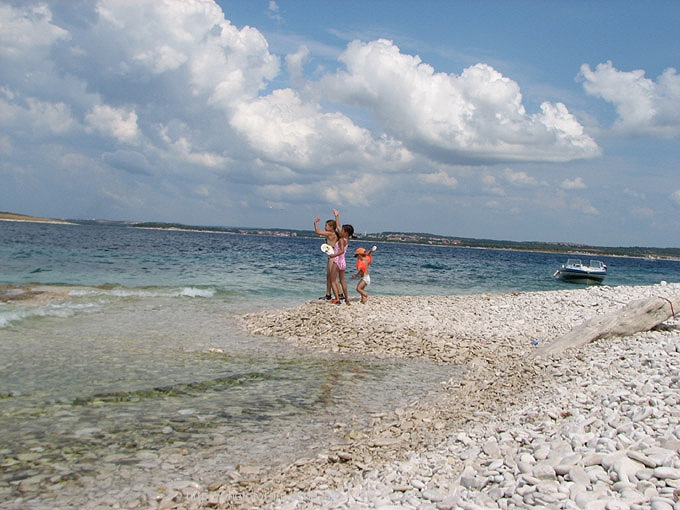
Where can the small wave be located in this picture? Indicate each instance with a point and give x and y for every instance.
(14, 316)
(9, 318)
(19, 303)
(195, 292)
(144, 292)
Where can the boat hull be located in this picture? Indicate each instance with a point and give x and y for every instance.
(576, 276)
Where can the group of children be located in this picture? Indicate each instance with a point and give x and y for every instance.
(339, 238)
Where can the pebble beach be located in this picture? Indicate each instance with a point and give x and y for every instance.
(590, 427)
(594, 427)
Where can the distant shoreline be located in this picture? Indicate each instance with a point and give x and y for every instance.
(31, 219)
(569, 249)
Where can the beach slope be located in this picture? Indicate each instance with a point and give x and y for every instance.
(596, 425)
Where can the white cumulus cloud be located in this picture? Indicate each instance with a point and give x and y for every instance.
(519, 178)
(583, 205)
(644, 106)
(295, 62)
(28, 30)
(476, 116)
(192, 37)
(675, 196)
(39, 118)
(576, 183)
(439, 179)
(118, 123)
(289, 130)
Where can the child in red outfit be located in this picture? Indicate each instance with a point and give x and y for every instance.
(364, 260)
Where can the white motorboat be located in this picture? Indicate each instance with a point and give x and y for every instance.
(576, 272)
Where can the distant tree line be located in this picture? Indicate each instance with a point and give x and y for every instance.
(464, 242)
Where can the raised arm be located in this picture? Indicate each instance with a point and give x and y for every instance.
(336, 213)
(317, 229)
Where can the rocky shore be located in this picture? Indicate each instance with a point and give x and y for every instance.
(593, 427)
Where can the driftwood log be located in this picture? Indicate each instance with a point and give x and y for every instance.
(636, 316)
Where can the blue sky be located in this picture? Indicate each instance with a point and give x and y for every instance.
(526, 121)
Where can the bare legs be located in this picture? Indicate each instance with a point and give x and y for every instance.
(360, 289)
(332, 278)
(343, 285)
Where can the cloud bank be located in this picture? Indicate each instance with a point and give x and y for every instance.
(148, 65)
(118, 108)
(476, 116)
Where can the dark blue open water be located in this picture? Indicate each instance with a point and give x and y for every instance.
(131, 341)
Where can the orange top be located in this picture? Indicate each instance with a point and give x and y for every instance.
(362, 265)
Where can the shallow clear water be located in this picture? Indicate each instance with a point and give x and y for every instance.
(130, 340)
(143, 373)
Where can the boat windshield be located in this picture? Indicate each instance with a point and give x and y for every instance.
(596, 263)
(574, 262)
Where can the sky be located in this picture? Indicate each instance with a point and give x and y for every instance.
(553, 121)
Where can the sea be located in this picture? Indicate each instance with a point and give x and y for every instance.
(116, 340)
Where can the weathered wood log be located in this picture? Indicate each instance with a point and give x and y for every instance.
(636, 316)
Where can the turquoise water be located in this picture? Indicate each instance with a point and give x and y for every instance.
(255, 271)
(116, 340)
